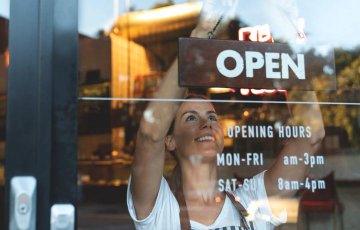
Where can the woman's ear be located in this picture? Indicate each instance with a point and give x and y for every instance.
(170, 143)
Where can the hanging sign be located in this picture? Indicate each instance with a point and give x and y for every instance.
(236, 64)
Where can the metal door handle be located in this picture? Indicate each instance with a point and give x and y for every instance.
(62, 217)
(23, 203)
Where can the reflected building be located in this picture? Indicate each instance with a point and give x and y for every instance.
(130, 61)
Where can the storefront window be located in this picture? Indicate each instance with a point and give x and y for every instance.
(285, 91)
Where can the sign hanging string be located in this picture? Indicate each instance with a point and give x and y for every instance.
(211, 34)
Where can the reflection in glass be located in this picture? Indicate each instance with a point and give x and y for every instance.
(130, 60)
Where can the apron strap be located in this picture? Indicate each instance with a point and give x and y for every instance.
(242, 211)
(184, 214)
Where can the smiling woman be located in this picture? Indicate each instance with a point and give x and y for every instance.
(187, 142)
(191, 131)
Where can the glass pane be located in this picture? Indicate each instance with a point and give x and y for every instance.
(283, 99)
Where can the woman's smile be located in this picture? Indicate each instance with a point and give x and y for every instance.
(206, 138)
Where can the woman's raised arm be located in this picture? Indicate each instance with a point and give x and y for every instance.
(147, 169)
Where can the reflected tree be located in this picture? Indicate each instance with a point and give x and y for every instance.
(348, 87)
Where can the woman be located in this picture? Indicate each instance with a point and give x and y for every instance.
(191, 130)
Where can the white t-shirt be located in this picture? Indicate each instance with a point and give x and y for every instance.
(165, 214)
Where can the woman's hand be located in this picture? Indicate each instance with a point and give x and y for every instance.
(215, 14)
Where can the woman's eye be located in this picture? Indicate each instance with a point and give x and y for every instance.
(213, 118)
(190, 118)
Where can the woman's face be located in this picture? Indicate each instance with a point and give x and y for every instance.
(197, 131)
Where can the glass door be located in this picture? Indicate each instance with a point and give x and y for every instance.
(125, 58)
(40, 172)
(279, 81)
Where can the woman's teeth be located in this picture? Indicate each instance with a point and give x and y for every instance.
(206, 138)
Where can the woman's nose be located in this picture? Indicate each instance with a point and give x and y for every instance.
(205, 123)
